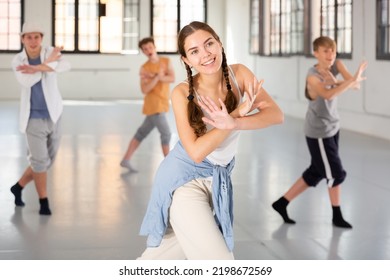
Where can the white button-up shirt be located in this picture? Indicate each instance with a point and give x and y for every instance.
(49, 85)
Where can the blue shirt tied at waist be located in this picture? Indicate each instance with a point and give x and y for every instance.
(175, 170)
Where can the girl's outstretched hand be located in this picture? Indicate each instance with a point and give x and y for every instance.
(249, 98)
(217, 116)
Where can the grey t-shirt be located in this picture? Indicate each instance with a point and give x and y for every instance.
(322, 118)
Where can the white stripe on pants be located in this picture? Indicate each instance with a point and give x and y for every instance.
(328, 170)
(193, 233)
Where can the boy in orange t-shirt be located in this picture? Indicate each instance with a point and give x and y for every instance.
(156, 74)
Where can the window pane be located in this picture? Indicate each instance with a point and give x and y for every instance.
(10, 25)
(165, 27)
(64, 24)
(88, 25)
(111, 28)
(168, 18)
(297, 26)
(190, 11)
(254, 27)
(130, 26)
(285, 36)
(275, 27)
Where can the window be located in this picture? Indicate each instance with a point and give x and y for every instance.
(383, 29)
(336, 22)
(277, 27)
(11, 17)
(130, 26)
(288, 27)
(254, 36)
(106, 26)
(297, 27)
(169, 16)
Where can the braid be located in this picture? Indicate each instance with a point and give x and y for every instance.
(231, 101)
(195, 113)
(190, 96)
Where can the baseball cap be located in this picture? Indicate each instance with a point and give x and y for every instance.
(30, 27)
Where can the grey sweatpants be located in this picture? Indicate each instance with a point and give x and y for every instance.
(43, 140)
(157, 120)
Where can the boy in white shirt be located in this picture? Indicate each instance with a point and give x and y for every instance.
(36, 69)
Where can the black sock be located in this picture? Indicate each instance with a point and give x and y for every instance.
(280, 206)
(45, 210)
(338, 219)
(17, 191)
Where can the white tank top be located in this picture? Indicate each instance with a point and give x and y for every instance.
(225, 152)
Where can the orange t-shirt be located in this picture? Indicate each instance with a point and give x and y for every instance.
(157, 100)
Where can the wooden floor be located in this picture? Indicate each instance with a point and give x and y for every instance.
(98, 207)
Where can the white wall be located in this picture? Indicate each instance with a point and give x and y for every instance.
(116, 76)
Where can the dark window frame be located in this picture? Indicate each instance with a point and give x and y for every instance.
(307, 44)
(382, 43)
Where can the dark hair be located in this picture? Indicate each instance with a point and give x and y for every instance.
(195, 113)
(145, 41)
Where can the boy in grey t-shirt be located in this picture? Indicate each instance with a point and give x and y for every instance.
(322, 128)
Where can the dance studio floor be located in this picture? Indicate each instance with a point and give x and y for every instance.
(98, 207)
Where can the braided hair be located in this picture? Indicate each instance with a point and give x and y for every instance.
(195, 113)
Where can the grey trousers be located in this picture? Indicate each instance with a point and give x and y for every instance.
(43, 140)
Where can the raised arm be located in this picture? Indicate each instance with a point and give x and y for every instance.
(27, 75)
(149, 80)
(167, 74)
(345, 73)
(316, 86)
(261, 113)
(264, 111)
(197, 147)
(343, 70)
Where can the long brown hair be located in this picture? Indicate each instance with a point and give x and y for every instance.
(195, 113)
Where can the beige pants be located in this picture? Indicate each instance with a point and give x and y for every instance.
(193, 233)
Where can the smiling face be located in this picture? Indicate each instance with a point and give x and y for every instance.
(32, 43)
(203, 52)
